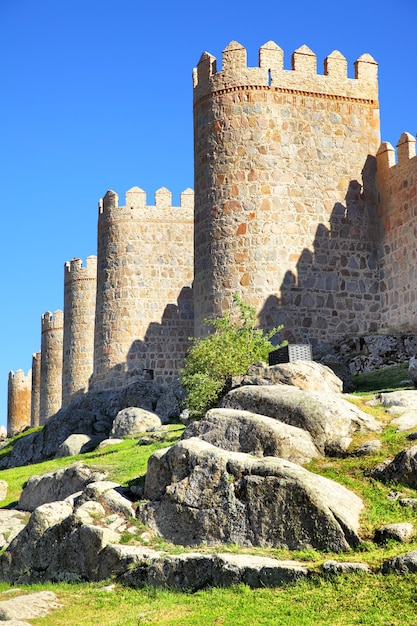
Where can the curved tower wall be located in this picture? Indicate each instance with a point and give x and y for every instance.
(51, 364)
(144, 312)
(36, 389)
(79, 315)
(276, 152)
(18, 401)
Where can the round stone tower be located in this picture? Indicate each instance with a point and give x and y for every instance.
(36, 389)
(18, 402)
(275, 151)
(144, 312)
(51, 365)
(79, 314)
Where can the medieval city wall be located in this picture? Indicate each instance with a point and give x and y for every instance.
(51, 364)
(18, 401)
(279, 155)
(144, 310)
(36, 389)
(80, 285)
(397, 183)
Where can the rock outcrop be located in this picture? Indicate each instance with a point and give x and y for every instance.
(242, 431)
(402, 469)
(330, 419)
(201, 494)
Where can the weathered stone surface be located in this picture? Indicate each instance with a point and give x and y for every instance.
(28, 606)
(397, 402)
(335, 567)
(402, 469)
(398, 532)
(75, 444)
(330, 420)
(132, 421)
(301, 374)
(115, 559)
(195, 571)
(242, 431)
(109, 442)
(201, 494)
(107, 492)
(11, 523)
(3, 489)
(368, 447)
(403, 564)
(56, 485)
(409, 502)
(169, 404)
(405, 421)
(412, 370)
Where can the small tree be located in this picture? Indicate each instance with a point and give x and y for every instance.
(228, 351)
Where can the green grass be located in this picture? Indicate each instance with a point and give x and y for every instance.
(344, 600)
(357, 599)
(384, 379)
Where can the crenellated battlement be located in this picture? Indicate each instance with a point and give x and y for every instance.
(135, 206)
(75, 270)
(19, 377)
(406, 150)
(271, 74)
(52, 321)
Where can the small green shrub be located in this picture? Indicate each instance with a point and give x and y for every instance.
(228, 351)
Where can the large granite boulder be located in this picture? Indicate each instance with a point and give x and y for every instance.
(330, 419)
(301, 374)
(134, 420)
(402, 469)
(199, 493)
(242, 431)
(56, 485)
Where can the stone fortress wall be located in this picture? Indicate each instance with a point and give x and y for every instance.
(19, 391)
(80, 284)
(277, 156)
(298, 207)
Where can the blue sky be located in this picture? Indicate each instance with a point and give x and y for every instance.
(97, 94)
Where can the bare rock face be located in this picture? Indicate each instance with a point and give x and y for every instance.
(402, 564)
(132, 421)
(330, 420)
(412, 370)
(56, 485)
(242, 431)
(301, 374)
(402, 469)
(398, 532)
(75, 444)
(201, 494)
(195, 571)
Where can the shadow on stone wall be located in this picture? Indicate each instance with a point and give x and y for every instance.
(335, 290)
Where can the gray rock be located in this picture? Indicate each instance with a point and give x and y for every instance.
(3, 489)
(75, 444)
(403, 564)
(201, 494)
(116, 559)
(107, 492)
(405, 421)
(195, 571)
(242, 431)
(330, 420)
(402, 469)
(409, 502)
(307, 375)
(398, 401)
(56, 485)
(11, 523)
(412, 370)
(368, 447)
(398, 532)
(28, 606)
(109, 442)
(132, 421)
(336, 567)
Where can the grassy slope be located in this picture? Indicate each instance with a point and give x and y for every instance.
(358, 599)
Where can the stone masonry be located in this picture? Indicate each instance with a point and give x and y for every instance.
(79, 314)
(18, 401)
(298, 207)
(51, 365)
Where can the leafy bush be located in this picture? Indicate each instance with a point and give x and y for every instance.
(228, 351)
